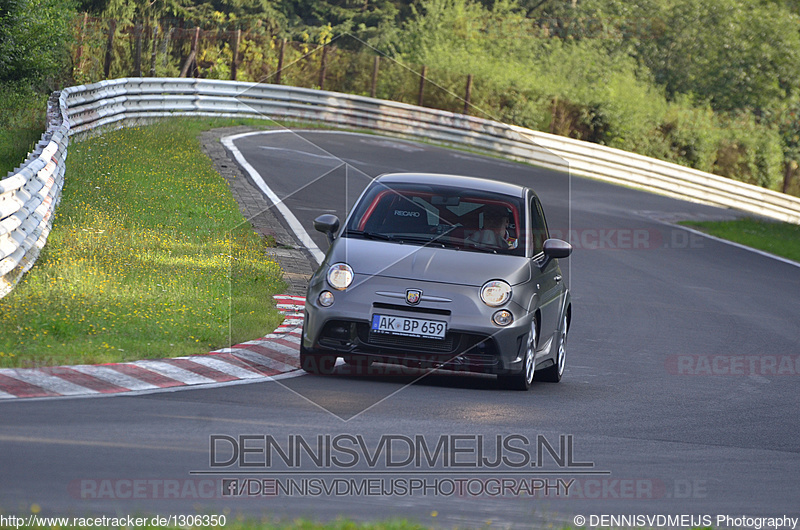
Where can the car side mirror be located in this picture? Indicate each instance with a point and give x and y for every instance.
(555, 248)
(328, 224)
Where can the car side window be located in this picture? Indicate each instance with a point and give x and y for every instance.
(539, 231)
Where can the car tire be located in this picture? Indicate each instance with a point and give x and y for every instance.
(553, 374)
(523, 379)
(315, 363)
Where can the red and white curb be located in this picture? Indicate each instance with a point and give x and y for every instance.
(273, 354)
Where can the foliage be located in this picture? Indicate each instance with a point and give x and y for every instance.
(737, 55)
(585, 78)
(572, 88)
(33, 34)
(369, 20)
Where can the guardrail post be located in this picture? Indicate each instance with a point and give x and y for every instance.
(153, 50)
(167, 35)
(195, 47)
(112, 28)
(323, 67)
(237, 36)
(192, 54)
(375, 65)
(422, 85)
(137, 58)
(468, 95)
(789, 169)
(82, 39)
(280, 61)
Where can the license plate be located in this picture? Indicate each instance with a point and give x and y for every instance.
(410, 327)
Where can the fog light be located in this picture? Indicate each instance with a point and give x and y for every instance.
(326, 298)
(503, 318)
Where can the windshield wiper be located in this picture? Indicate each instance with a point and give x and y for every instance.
(412, 238)
(369, 235)
(428, 240)
(480, 248)
(404, 238)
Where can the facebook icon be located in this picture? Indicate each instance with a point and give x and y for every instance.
(230, 486)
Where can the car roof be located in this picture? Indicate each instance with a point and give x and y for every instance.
(459, 181)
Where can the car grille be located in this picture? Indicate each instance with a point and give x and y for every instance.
(444, 345)
(456, 347)
(411, 309)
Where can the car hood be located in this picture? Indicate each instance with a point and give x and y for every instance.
(434, 264)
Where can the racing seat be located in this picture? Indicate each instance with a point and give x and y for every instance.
(405, 217)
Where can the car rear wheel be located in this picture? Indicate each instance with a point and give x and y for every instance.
(523, 379)
(553, 374)
(315, 363)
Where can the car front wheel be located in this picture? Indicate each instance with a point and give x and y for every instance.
(523, 379)
(553, 374)
(315, 363)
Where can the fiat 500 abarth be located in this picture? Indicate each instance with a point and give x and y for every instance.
(441, 271)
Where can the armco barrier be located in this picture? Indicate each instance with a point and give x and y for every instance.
(28, 198)
(29, 195)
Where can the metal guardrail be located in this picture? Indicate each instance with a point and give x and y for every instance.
(29, 195)
(28, 198)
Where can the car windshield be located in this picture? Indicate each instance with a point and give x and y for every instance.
(457, 218)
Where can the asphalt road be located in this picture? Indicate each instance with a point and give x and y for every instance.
(680, 389)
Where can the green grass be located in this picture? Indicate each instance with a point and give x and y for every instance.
(781, 239)
(149, 257)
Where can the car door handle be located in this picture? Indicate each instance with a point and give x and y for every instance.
(557, 278)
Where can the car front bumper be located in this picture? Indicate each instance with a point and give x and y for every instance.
(472, 342)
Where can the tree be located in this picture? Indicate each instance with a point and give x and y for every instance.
(34, 39)
(373, 21)
(734, 55)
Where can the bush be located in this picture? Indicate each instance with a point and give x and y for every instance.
(33, 38)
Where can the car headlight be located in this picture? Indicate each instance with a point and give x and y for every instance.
(495, 293)
(340, 276)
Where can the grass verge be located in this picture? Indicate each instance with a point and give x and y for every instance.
(149, 257)
(781, 239)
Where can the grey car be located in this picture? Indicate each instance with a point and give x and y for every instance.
(441, 271)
